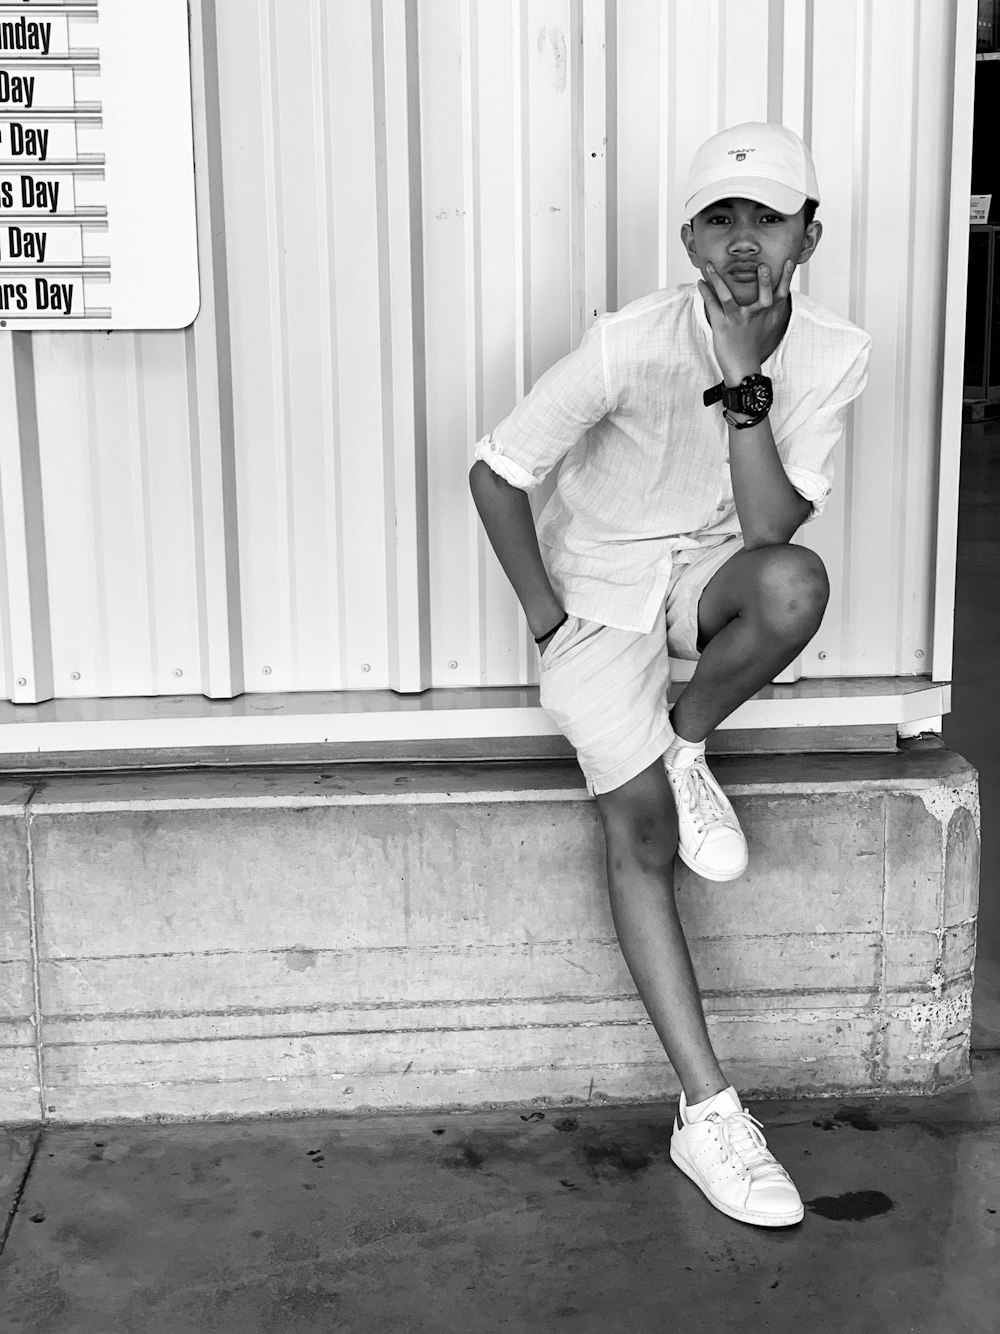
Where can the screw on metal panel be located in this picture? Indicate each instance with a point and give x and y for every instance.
(178, 672)
(75, 676)
(453, 664)
(266, 671)
(919, 653)
(365, 667)
(21, 681)
(821, 655)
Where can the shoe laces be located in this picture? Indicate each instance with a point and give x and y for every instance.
(700, 797)
(743, 1135)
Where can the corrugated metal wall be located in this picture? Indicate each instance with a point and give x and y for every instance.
(407, 211)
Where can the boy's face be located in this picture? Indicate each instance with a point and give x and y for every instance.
(736, 235)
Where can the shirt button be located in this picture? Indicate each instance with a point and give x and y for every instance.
(720, 508)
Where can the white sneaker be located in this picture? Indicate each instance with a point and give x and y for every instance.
(711, 841)
(726, 1156)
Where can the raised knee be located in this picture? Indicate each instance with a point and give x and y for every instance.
(794, 590)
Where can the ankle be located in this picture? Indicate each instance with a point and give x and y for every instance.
(685, 734)
(701, 1090)
(683, 752)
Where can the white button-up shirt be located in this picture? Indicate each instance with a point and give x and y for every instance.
(645, 475)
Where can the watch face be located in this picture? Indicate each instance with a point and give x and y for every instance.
(755, 394)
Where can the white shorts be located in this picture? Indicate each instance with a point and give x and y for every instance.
(606, 689)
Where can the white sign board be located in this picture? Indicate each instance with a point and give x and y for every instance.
(97, 214)
(979, 210)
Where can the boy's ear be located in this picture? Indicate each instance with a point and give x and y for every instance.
(687, 240)
(810, 241)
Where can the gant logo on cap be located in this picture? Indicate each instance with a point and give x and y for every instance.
(740, 153)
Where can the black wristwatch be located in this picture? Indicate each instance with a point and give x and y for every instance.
(753, 395)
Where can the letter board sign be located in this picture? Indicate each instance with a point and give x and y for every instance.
(97, 211)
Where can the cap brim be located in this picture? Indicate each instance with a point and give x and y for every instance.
(779, 197)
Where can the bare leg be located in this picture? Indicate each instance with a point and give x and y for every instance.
(640, 829)
(755, 616)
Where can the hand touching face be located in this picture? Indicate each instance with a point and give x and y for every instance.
(736, 236)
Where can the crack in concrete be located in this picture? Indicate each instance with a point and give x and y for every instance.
(15, 1206)
(36, 982)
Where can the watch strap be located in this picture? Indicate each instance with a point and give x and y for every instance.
(733, 397)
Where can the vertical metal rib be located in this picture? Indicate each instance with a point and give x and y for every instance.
(329, 332)
(284, 619)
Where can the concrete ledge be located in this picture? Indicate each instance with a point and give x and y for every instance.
(225, 943)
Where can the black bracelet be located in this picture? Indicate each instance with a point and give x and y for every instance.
(565, 618)
(742, 426)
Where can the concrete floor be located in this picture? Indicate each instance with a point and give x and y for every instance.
(528, 1221)
(513, 1220)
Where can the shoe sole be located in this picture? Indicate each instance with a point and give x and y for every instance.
(711, 875)
(741, 1216)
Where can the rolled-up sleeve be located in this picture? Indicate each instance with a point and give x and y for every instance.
(562, 405)
(806, 447)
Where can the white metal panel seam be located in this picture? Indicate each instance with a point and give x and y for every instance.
(283, 613)
(596, 138)
(24, 582)
(473, 325)
(396, 86)
(145, 624)
(329, 329)
(907, 539)
(610, 83)
(208, 351)
(666, 105)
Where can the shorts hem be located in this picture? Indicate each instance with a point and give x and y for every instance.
(621, 774)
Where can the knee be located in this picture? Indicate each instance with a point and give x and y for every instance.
(643, 839)
(793, 591)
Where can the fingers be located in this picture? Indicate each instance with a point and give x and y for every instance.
(765, 297)
(709, 298)
(785, 281)
(719, 285)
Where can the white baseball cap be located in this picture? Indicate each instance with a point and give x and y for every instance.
(766, 163)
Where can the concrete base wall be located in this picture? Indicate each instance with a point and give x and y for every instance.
(271, 941)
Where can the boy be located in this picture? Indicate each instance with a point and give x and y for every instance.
(698, 424)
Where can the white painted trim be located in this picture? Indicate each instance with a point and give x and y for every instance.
(332, 718)
(953, 368)
(918, 725)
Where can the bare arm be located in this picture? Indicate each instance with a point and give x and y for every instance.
(510, 526)
(770, 509)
